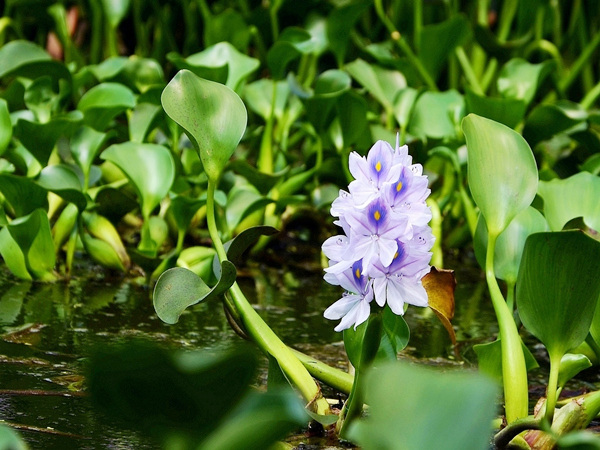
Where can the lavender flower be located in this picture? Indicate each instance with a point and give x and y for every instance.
(385, 249)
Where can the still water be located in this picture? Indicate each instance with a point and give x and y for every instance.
(48, 330)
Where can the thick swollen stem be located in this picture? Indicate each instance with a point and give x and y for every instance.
(259, 331)
(514, 371)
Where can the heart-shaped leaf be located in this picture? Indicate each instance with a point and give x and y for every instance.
(179, 288)
(149, 167)
(63, 181)
(502, 171)
(559, 204)
(212, 115)
(103, 102)
(557, 290)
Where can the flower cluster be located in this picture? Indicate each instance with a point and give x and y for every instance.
(384, 252)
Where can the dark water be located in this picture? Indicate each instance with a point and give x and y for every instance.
(49, 329)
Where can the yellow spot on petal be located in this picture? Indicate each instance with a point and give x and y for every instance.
(377, 215)
(399, 186)
(378, 166)
(357, 273)
(395, 255)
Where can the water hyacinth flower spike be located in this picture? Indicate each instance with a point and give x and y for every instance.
(385, 249)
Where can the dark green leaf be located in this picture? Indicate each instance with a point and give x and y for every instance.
(63, 181)
(15, 189)
(508, 111)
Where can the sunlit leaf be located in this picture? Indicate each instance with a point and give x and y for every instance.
(576, 196)
(243, 200)
(24, 58)
(440, 285)
(459, 405)
(149, 167)
(239, 66)
(179, 288)
(141, 121)
(212, 115)
(502, 173)
(557, 290)
(102, 103)
(520, 79)
(570, 365)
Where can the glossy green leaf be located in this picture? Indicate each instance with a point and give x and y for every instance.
(109, 68)
(557, 290)
(279, 410)
(508, 111)
(33, 236)
(547, 120)
(458, 406)
(502, 171)
(576, 196)
(259, 97)
(212, 115)
(381, 83)
(353, 342)
(520, 79)
(489, 359)
(247, 238)
(13, 256)
(239, 66)
(15, 189)
(510, 243)
(141, 121)
(178, 288)
(183, 209)
(439, 40)
(163, 393)
(437, 115)
(101, 228)
(570, 365)
(115, 11)
(40, 138)
(63, 181)
(24, 58)
(102, 103)
(199, 260)
(149, 167)
(102, 252)
(86, 144)
(143, 74)
(396, 330)
(5, 126)
(243, 200)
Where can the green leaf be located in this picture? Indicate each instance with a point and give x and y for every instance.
(458, 407)
(439, 40)
(502, 171)
(228, 26)
(520, 79)
(163, 393)
(115, 11)
(63, 181)
(5, 126)
(570, 365)
(351, 111)
(243, 200)
(10, 439)
(244, 240)
(579, 440)
(353, 342)
(149, 167)
(557, 290)
(547, 120)
(292, 43)
(396, 329)
(40, 138)
(259, 97)
(279, 412)
(437, 115)
(404, 103)
(508, 111)
(263, 182)
(41, 99)
(25, 59)
(33, 236)
(12, 255)
(340, 24)
(15, 189)
(183, 209)
(510, 243)
(560, 206)
(239, 66)
(102, 103)
(141, 121)
(86, 144)
(329, 86)
(212, 115)
(381, 83)
(489, 359)
(178, 288)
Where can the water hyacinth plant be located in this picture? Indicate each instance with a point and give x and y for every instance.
(384, 252)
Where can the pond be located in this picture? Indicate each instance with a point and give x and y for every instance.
(49, 329)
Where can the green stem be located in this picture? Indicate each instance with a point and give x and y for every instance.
(591, 97)
(509, 9)
(591, 406)
(417, 23)
(508, 433)
(404, 47)
(514, 372)
(552, 387)
(260, 332)
(437, 259)
(265, 155)
(96, 30)
(579, 63)
(468, 71)
(370, 346)
(336, 378)
(510, 294)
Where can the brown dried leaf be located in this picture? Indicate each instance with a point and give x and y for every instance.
(440, 284)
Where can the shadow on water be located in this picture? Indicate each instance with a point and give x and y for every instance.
(49, 329)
